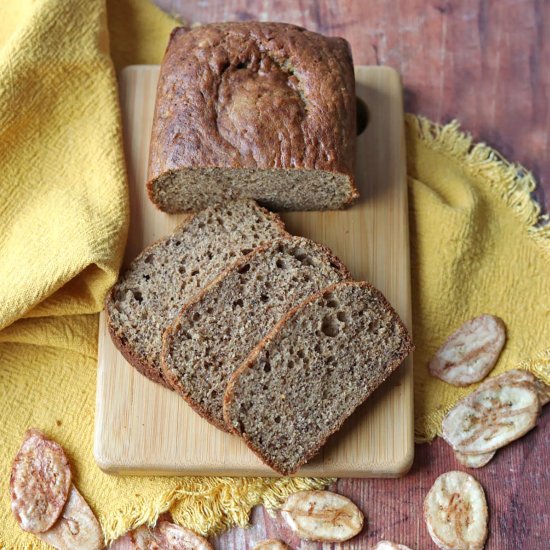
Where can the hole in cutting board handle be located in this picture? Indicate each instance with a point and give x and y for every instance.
(362, 115)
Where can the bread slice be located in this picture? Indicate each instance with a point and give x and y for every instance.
(215, 333)
(167, 274)
(312, 371)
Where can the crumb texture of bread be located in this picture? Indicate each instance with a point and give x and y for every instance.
(312, 371)
(215, 333)
(166, 275)
(251, 109)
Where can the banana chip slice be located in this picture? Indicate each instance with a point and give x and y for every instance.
(491, 417)
(39, 483)
(178, 538)
(322, 516)
(521, 376)
(141, 538)
(455, 511)
(474, 461)
(77, 527)
(387, 545)
(471, 352)
(164, 536)
(271, 544)
(514, 375)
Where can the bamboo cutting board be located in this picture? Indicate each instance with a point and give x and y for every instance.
(143, 428)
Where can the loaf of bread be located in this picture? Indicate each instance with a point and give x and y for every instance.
(215, 333)
(166, 275)
(260, 110)
(312, 371)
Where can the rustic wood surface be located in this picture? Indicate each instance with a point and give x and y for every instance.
(484, 62)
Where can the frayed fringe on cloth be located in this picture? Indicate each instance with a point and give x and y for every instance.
(208, 505)
(512, 182)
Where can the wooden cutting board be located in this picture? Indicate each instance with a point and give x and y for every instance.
(143, 428)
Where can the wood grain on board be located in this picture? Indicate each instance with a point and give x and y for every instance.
(143, 428)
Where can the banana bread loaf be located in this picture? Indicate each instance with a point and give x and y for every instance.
(260, 110)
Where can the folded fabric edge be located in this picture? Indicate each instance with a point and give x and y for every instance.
(209, 505)
(513, 183)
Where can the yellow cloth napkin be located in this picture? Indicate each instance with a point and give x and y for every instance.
(478, 245)
(63, 222)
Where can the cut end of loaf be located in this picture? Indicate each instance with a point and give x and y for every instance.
(191, 189)
(254, 109)
(312, 371)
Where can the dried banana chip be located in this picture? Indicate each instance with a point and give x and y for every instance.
(471, 352)
(513, 376)
(455, 511)
(474, 461)
(271, 544)
(77, 527)
(141, 538)
(40, 482)
(522, 376)
(491, 417)
(175, 537)
(322, 516)
(387, 545)
(164, 536)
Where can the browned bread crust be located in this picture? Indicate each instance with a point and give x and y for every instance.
(254, 96)
(142, 366)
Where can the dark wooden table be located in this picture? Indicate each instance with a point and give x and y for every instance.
(486, 63)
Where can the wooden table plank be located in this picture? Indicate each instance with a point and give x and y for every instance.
(515, 483)
(484, 62)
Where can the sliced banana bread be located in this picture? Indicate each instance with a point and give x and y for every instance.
(312, 371)
(166, 275)
(215, 333)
